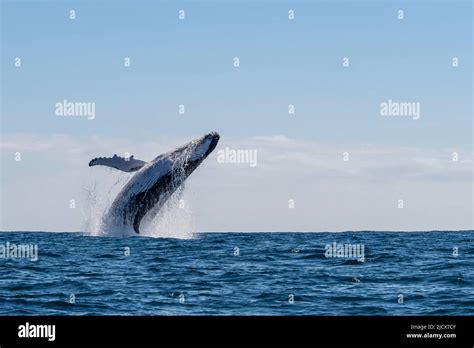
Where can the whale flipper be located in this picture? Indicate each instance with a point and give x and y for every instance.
(124, 164)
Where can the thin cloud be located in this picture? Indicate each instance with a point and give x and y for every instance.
(329, 193)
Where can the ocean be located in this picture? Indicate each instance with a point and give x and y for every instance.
(344, 273)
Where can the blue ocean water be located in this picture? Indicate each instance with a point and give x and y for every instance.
(402, 273)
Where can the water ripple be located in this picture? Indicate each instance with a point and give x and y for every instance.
(272, 274)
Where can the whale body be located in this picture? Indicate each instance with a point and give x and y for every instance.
(152, 182)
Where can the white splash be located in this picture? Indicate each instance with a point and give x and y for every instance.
(99, 195)
(174, 220)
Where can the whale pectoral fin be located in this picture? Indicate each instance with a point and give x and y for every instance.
(124, 164)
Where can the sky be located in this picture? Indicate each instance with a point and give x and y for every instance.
(283, 61)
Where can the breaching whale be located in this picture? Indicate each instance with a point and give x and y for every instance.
(152, 182)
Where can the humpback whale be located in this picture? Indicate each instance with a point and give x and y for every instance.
(152, 182)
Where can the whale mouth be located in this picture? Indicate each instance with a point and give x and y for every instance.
(214, 136)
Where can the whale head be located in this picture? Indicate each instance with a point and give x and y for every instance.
(189, 156)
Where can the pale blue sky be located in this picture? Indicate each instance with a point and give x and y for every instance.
(282, 62)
